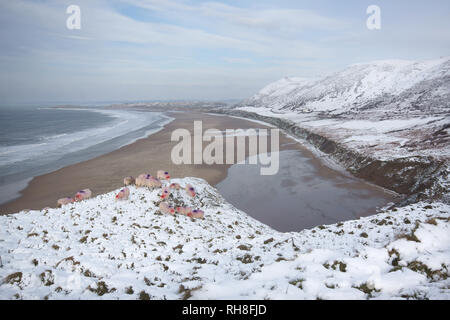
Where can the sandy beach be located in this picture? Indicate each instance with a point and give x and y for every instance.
(106, 173)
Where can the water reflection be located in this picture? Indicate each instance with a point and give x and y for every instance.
(300, 196)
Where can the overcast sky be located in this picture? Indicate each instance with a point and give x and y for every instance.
(155, 49)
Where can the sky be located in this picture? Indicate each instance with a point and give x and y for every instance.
(140, 50)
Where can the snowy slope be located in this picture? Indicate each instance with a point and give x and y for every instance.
(279, 92)
(102, 249)
(386, 109)
(394, 85)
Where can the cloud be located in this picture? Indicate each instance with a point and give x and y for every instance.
(237, 60)
(143, 48)
(269, 18)
(252, 29)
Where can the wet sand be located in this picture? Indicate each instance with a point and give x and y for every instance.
(106, 173)
(298, 197)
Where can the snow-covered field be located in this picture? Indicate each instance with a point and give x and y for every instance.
(384, 139)
(103, 249)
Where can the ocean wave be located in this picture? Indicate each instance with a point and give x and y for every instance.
(54, 146)
(23, 162)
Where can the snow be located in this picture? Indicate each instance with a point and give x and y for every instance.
(396, 137)
(389, 109)
(385, 125)
(363, 263)
(283, 86)
(356, 86)
(103, 249)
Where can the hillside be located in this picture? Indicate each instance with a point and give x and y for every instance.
(398, 87)
(387, 122)
(103, 249)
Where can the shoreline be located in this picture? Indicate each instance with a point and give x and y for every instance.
(99, 132)
(422, 175)
(148, 154)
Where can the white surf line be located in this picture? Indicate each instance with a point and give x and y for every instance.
(116, 114)
(11, 191)
(150, 132)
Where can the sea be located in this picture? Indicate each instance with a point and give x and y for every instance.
(35, 140)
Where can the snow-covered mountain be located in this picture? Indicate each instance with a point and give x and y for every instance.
(374, 115)
(393, 85)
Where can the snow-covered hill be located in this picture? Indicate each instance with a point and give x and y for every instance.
(103, 249)
(394, 85)
(379, 120)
